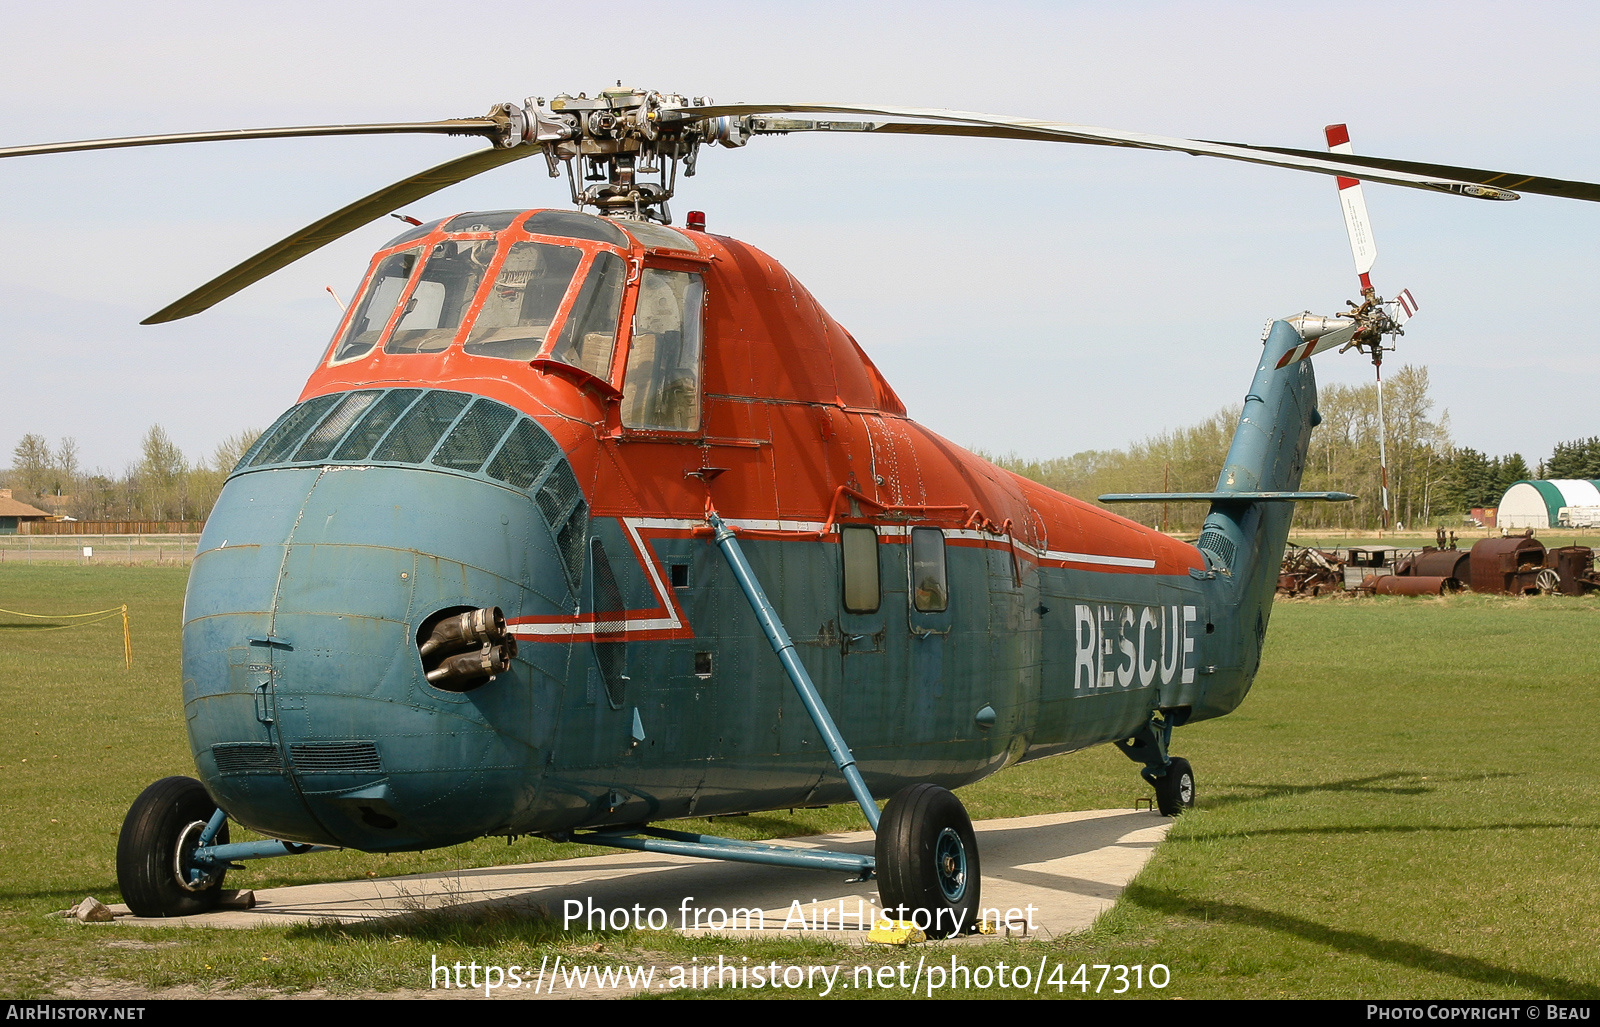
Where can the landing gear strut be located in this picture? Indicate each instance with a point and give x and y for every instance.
(1171, 776)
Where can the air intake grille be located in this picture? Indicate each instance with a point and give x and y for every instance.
(416, 426)
(521, 460)
(418, 432)
(1218, 545)
(610, 643)
(474, 438)
(560, 489)
(247, 758)
(336, 757)
(571, 539)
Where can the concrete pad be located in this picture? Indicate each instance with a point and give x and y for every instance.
(1043, 877)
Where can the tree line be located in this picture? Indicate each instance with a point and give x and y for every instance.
(163, 485)
(1432, 481)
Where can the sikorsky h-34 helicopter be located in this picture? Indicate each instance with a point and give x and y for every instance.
(586, 522)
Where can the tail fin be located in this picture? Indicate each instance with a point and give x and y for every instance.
(1243, 538)
(1245, 531)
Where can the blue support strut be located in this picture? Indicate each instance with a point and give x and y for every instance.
(784, 647)
(679, 843)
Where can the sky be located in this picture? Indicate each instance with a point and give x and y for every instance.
(1026, 298)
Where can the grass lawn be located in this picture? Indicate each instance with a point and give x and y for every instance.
(1402, 808)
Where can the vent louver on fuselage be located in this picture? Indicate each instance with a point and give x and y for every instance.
(336, 757)
(247, 758)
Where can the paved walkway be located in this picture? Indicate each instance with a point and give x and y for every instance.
(1058, 871)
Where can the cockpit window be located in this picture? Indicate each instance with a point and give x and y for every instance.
(659, 237)
(518, 311)
(377, 304)
(662, 387)
(444, 290)
(590, 333)
(569, 224)
(482, 221)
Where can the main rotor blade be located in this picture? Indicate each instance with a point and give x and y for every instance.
(454, 126)
(1561, 187)
(336, 225)
(1004, 127)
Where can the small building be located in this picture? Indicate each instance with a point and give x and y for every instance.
(15, 514)
(1538, 504)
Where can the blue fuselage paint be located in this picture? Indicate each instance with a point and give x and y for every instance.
(311, 720)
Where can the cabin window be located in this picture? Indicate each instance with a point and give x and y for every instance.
(929, 591)
(517, 314)
(859, 544)
(377, 304)
(590, 335)
(449, 280)
(661, 390)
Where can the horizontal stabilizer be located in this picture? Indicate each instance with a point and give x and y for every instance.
(1226, 497)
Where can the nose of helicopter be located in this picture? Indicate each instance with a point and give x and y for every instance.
(309, 712)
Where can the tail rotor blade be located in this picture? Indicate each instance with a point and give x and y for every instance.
(1402, 308)
(1354, 204)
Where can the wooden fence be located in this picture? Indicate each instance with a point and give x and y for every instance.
(110, 527)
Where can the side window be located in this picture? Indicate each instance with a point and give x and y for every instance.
(590, 335)
(662, 387)
(859, 544)
(517, 313)
(376, 304)
(440, 299)
(929, 592)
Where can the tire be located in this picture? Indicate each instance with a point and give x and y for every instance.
(927, 861)
(157, 837)
(1175, 791)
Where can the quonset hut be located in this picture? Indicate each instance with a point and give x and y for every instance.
(1538, 504)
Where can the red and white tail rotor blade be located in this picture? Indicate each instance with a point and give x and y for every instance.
(1362, 246)
(1402, 307)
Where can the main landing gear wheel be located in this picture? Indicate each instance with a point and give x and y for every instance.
(160, 833)
(1175, 791)
(927, 860)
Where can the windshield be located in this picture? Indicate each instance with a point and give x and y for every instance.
(527, 294)
(377, 304)
(444, 290)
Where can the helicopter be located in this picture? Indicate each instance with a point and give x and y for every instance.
(586, 522)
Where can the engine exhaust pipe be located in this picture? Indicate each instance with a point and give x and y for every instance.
(465, 650)
(469, 630)
(464, 671)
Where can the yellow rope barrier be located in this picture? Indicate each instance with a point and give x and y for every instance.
(100, 615)
(65, 616)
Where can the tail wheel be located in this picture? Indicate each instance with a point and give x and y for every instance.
(927, 861)
(159, 836)
(1175, 791)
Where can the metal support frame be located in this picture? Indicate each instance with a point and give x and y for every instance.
(680, 843)
(784, 647)
(208, 857)
(1148, 745)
